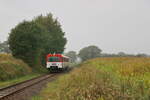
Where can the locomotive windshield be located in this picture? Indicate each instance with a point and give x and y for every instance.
(54, 59)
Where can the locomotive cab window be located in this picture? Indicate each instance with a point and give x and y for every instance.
(54, 59)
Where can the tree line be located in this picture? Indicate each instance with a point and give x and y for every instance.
(32, 40)
(94, 52)
(84, 54)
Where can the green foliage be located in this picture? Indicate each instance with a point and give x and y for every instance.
(89, 52)
(142, 55)
(25, 42)
(54, 36)
(32, 40)
(72, 55)
(55, 40)
(122, 54)
(4, 47)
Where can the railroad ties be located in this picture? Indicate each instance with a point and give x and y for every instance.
(26, 89)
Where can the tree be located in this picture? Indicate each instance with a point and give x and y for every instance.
(4, 47)
(72, 55)
(122, 54)
(55, 40)
(26, 41)
(141, 55)
(89, 52)
(32, 40)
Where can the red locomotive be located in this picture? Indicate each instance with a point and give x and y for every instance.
(57, 62)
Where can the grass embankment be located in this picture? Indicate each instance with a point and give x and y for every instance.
(18, 80)
(13, 70)
(103, 79)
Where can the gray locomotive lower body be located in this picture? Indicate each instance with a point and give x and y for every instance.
(54, 67)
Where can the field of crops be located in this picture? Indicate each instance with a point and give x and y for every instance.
(103, 79)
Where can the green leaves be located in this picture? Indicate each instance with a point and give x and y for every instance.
(32, 40)
(72, 55)
(89, 52)
(55, 40)
(24, 41)
(4, 47)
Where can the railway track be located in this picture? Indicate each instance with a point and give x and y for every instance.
(23, 90)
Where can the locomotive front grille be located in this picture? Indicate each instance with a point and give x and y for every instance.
(54, 67)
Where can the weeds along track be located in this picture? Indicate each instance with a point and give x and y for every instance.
(26, 89)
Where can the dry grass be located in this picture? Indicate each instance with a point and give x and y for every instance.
(12, 68)
(103, 79)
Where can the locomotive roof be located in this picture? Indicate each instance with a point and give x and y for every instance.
(57, 55)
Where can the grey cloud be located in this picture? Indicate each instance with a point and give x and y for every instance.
(113, 25)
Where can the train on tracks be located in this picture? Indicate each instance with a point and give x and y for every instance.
(57, 62)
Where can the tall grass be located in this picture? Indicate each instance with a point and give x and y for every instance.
(103, 79)
(12, 68)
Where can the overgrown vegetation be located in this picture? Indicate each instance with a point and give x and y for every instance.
(103, 79)
(11, 68)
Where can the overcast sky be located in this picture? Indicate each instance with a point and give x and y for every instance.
(113, 25)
